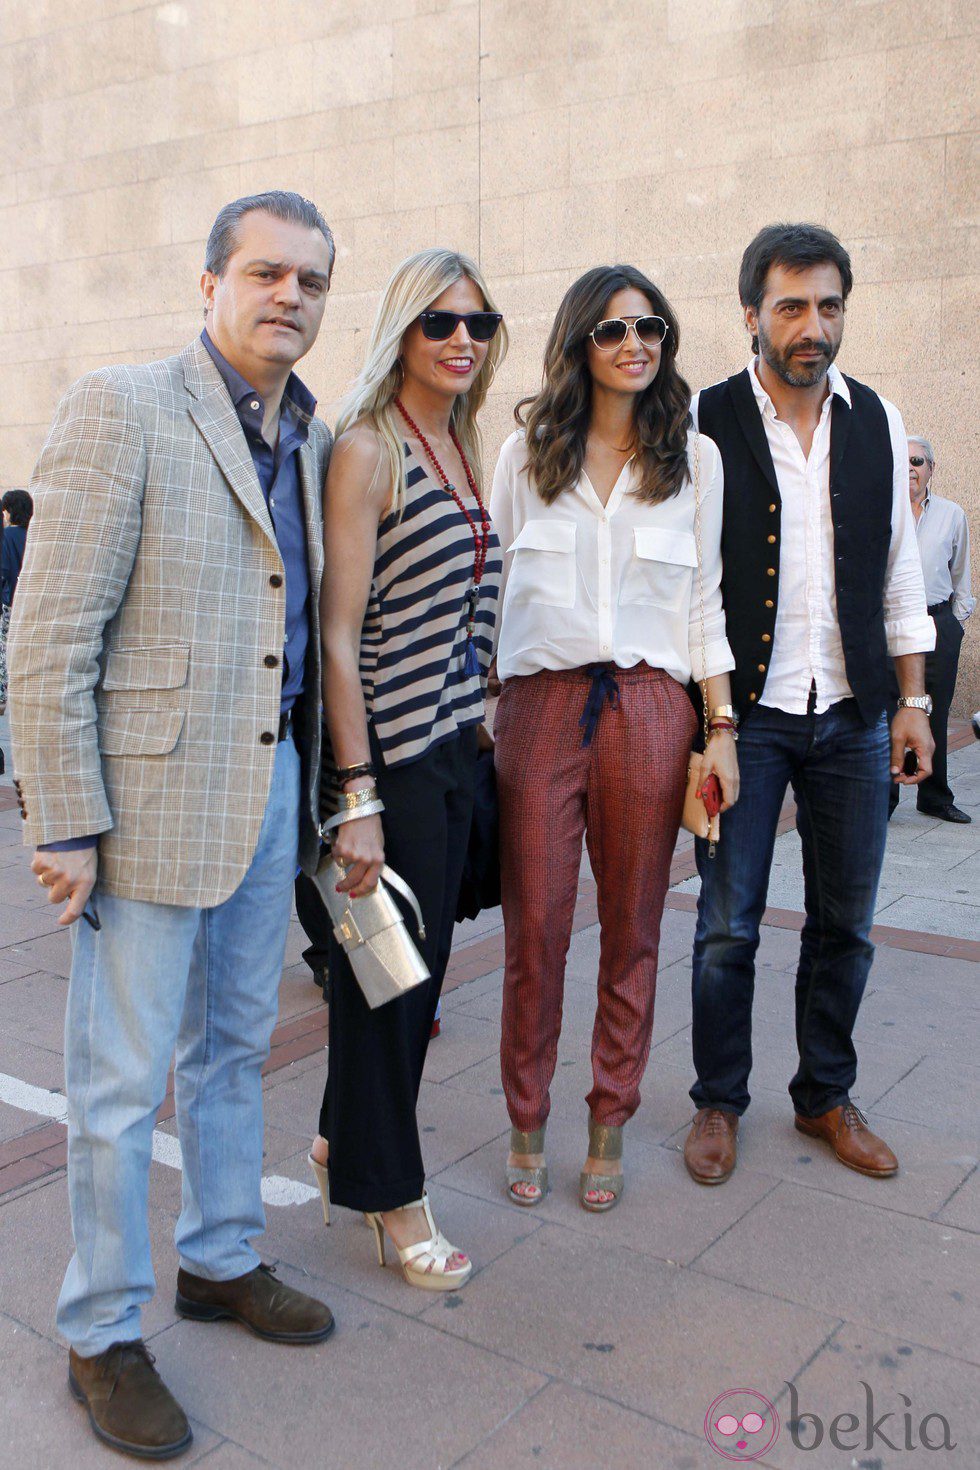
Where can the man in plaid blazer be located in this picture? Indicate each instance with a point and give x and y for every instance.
(165, 678)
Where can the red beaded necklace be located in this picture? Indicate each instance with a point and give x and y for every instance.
(481, 534)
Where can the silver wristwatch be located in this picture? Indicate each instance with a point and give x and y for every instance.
(916, 701)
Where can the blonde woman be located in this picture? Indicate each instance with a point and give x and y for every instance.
(410, 590)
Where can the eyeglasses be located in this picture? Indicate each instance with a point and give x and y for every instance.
(648, 330)
(439, 326)
(916, 460)
(728, 1424)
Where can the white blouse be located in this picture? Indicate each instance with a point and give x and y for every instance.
(585, 583)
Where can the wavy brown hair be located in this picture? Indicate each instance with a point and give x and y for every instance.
(556, 420)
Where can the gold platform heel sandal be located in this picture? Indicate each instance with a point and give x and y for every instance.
(323, 1185)
(534, 1181)
(605, 1142)
(425, 1264)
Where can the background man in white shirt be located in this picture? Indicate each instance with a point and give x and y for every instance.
(821, 583)
(943, 535)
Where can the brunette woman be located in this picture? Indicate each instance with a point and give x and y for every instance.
(410, 586)
(594, 500)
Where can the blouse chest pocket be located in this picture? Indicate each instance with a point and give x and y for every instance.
(543, 566)
(659, 569)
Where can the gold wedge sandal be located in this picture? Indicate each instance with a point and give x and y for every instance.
(323, 1185)
(537, 1179)
(425, 1264)
(605, 1142)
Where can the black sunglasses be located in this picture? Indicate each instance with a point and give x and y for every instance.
(916, 460)
(439, 326)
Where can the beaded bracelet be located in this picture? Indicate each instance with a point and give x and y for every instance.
(351, 773)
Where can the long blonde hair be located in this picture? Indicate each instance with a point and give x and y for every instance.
(412, 288)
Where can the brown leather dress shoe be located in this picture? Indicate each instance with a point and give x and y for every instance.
(709, 1150)
(267, 1306)
(846, 1130)
(129, 1405)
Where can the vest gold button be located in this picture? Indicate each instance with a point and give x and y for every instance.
(770, 571)
(766, 638)
(771, 540)
(753, 697)
(769, 602)
(762, 668)
(772, 509)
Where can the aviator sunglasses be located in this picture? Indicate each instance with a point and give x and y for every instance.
(649, 330)
(916, 460)
(439, 326)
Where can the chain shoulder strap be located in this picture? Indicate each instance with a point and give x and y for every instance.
(703, 681)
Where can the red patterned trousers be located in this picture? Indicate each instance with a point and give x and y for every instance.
(625, 792)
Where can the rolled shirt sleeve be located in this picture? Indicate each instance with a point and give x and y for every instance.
(908, 627)
(718, 657)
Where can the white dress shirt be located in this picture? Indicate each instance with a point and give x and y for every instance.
(586, 583)
(806, 647)
(943, 534)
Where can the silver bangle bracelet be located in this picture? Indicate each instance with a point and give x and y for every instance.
(371, 809)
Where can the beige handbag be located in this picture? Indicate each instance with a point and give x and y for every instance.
(373, 934)
(695, 818)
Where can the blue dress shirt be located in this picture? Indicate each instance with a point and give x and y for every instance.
(278, 473)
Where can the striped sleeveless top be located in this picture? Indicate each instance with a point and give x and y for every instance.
(413, 641)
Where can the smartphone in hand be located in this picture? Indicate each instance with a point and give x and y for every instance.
(711, 794)
(910, 765)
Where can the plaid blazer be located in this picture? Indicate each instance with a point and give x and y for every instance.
(151, 593)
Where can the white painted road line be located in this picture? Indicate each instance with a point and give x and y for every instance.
(277, 1189)
(31, 1099)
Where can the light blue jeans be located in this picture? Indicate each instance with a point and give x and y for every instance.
(153, 980)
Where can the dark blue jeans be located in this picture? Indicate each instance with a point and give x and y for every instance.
(838, 769)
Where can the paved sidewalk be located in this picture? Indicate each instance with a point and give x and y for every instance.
(581, 1341)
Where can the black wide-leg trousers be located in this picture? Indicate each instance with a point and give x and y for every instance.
(942, 664)
(941, 668)
(376, 1056)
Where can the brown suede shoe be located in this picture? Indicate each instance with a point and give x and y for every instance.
(709, 1150)
(269, 1307)
(846, 1130)
(129, 1405)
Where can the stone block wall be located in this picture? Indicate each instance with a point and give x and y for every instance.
(543, 136)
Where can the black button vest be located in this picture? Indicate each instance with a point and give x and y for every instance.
(861, 477)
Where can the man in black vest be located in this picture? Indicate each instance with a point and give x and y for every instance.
(821, 583)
